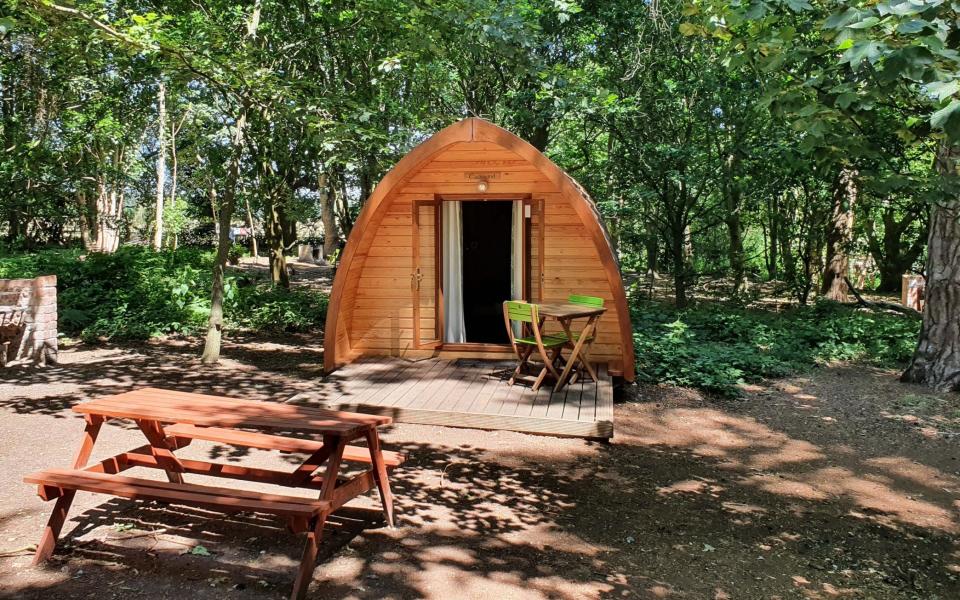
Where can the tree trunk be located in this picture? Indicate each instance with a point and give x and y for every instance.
(936, 361)
(891, 253)
(86, 220)
(253, 232)
(735, 235)
(342, 203)
(732, 198)
(839, 236)
(288, 226)
(105, 217)
(174, 169)
(211, 348)
(212, 198)
(161, 164)
(651, 245)
(278, 262)
(331, 238)
(680, 253)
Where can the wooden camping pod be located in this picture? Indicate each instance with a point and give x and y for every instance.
(387, 297)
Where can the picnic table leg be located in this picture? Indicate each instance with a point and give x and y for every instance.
(161, 450)
(380, 474)
(308, 560)
(48, 540)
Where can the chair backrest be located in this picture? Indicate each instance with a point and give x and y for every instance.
(592, 301)
(520, 311)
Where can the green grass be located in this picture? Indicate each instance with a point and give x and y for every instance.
(716, 348)
(137, 294)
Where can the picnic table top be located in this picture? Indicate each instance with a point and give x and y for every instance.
(566, 310)
(168, 406)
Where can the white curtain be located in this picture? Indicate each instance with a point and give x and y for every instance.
(455, 331)
(516, 258)
(516, 252)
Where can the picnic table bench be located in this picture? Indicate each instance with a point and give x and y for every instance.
(171, 420)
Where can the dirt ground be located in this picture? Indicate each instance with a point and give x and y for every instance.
(842, 483)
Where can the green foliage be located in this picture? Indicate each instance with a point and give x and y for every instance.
(137, 293)
(716, 348)
(276, 309)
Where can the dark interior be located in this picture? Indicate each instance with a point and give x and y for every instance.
(486, 269)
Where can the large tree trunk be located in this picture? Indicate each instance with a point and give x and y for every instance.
(331, 238)
(936, 361)
(211, 348)
(161, 164)
(839, 236)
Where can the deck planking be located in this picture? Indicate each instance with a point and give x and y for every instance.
(467, 393)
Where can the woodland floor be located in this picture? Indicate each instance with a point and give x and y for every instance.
(841, 483)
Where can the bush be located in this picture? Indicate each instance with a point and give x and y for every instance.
(276, 309)
(137, 293)
(716, 348)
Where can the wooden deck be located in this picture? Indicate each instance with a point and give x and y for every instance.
(466, 393)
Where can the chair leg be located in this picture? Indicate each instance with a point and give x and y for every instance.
(309, 559)
(539, 381)
(524, 357)
(548, 368)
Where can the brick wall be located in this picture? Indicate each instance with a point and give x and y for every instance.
(38, 299)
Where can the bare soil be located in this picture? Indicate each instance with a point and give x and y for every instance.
(840, 484)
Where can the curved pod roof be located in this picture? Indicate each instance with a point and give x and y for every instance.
(337, 350)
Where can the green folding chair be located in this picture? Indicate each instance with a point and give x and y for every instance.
(593, 302)
(531, 338)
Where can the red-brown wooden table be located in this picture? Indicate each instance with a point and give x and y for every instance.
(171, 420)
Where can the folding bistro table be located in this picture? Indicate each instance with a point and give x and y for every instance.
(171, 420)
(565, 313)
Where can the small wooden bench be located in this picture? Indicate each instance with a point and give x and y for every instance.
(175, 493)
(264, 441)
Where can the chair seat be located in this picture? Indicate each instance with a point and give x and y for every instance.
(549, 341)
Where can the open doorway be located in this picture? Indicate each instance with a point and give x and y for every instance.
(487, 273)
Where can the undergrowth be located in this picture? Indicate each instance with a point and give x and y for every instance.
(137, 293)
(717, 347)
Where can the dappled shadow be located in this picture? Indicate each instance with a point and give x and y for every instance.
(465, 524)
(758, 456)
(787, 492)
(87, 373)
(417, 391)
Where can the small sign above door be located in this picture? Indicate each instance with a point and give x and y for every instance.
(487, 176)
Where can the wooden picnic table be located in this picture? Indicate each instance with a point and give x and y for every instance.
(171, 420)
(565, 313)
